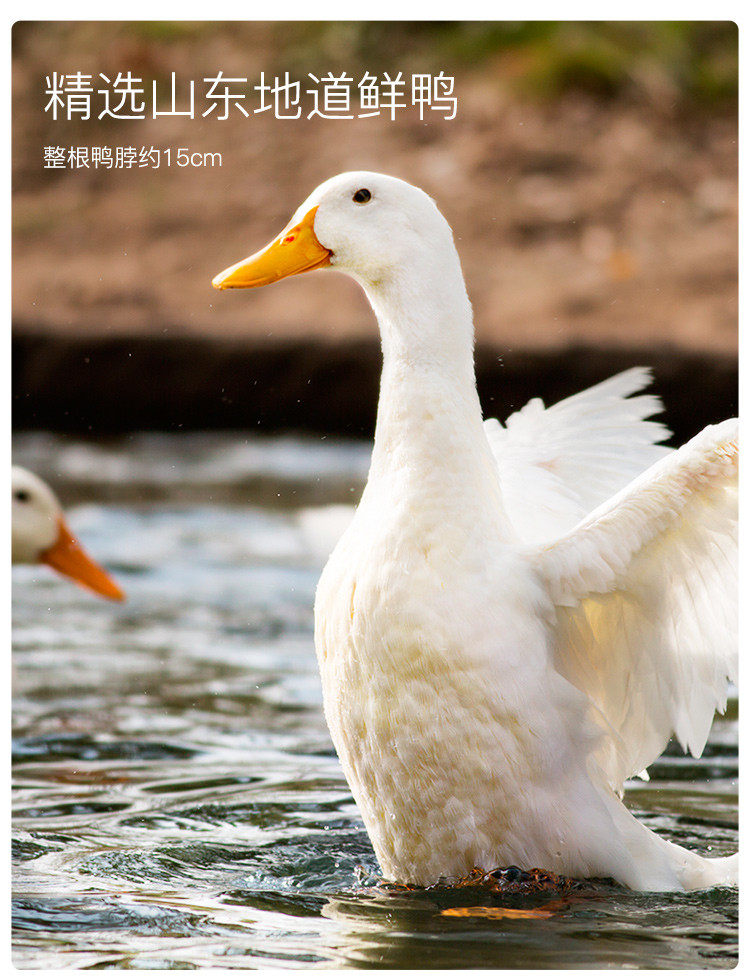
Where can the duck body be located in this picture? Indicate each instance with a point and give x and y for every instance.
(495, 630)
(427, 698)
(464, 747)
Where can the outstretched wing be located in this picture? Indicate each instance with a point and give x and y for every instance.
(646, 595)
(558, 463)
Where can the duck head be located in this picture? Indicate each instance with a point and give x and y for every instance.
(40, 534)
(368, 225)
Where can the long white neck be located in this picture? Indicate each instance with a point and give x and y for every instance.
(429, 438)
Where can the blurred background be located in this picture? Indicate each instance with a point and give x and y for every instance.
(589, 174)
(177, 800)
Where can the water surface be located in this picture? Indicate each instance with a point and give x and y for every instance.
(176, 799)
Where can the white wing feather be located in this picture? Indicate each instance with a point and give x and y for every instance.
(646, 596)
(558, 463)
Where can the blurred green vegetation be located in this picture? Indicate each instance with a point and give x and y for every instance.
(674, 63)
(695, 61)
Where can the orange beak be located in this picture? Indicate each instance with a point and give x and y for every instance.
(68, 557)
(295, 250)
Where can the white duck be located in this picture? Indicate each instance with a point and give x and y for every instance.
(40, 534)
(517, 619)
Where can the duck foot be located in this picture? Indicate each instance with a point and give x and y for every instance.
(511, 880)
(522, 881)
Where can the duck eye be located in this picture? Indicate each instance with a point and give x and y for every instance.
(21, 495)
(362, 196)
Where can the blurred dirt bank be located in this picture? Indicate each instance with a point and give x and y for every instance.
(596, 229)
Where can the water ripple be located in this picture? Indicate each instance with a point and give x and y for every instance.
(177, 803)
